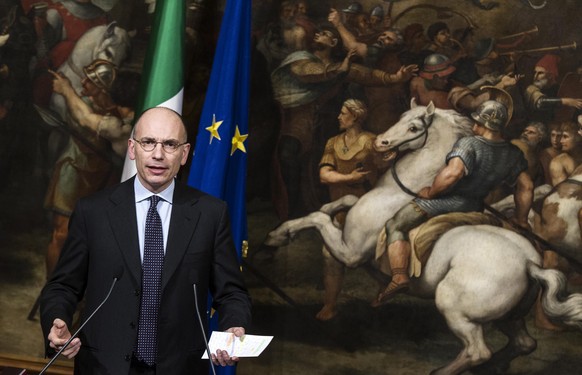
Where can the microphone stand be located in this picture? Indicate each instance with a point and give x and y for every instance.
(80, 328)
(202, 329)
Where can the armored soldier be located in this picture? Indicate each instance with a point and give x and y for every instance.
(84, 166)
(377, 18)
(475, 165)
(432, 83)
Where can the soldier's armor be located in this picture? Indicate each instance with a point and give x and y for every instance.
(487, 165)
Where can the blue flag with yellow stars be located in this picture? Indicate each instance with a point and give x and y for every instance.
(220, 156)
(219, 165)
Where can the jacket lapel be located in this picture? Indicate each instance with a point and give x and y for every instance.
(185, 216)
(122, 217)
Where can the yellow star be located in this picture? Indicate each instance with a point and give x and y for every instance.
(238, 141)
(213, 129)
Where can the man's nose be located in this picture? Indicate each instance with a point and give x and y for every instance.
(158, 152)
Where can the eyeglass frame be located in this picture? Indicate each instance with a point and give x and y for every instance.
(171, 151)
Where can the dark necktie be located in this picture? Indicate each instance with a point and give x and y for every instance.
(153, 262)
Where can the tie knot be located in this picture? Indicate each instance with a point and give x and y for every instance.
(154, 199)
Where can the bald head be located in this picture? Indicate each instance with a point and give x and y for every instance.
(161, 115)
(158, 147)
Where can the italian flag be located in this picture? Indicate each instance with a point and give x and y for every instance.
(162, 81)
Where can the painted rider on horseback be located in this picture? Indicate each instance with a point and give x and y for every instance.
(475, 166)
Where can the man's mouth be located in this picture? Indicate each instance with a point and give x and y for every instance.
(157, 169)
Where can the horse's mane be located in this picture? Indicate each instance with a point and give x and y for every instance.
(461, 124)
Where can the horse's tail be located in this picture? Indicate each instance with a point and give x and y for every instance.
(555, 301)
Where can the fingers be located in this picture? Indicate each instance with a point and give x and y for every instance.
(58, 337)
(59, 334)
(56, 75)
(238, 331)
(223, 359)
(73, 348)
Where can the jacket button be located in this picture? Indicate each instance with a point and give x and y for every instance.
(137, 292)
(132, 325)
(127, 357)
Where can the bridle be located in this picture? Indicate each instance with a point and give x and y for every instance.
(393, 169)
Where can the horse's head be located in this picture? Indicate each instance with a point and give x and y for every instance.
(409, 133)
(114, 45)
(106, 42)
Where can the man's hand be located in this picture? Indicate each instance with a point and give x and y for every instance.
(572, 102)
(60, 83)
(347, 62)
(222, 357)
(406, 72)
(509, 80)
(334, 17)
(358, 174)
(59, 335)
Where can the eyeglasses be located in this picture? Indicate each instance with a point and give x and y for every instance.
(149, 144)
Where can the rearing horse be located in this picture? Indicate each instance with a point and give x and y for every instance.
(476, 274)
(429, 133)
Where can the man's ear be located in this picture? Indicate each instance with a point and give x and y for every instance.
(131, 149)
(334, 42)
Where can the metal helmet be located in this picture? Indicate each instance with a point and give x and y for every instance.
(483, 48)
(491, 114)
(377, 11)
(102, 73)
(436, 64)
(354, 8)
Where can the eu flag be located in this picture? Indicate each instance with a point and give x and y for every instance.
(220, 157)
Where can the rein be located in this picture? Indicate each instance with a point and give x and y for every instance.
(393, 169)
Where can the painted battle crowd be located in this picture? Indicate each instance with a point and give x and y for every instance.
(330, 81)
(361, 69)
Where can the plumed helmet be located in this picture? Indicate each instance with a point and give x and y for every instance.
(436, 64)
(377, 11)
(354, 8)
(102, 73)
(492, 115)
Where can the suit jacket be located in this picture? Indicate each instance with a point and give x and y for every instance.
(103, 243)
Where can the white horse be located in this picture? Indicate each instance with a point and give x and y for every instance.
(477, 274)
(481, 274)
(106, 42)
(429, 133)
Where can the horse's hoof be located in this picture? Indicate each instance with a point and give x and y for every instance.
(274, 240)
(278, 237)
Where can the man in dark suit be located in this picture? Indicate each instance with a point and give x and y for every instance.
(109, 237)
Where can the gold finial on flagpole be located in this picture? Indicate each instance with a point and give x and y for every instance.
(245, 248)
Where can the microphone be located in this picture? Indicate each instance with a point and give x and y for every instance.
(194, 280)
(116, 277)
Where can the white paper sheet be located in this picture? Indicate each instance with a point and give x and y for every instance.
(249, 346)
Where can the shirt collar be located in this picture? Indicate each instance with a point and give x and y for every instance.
(141, 193)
